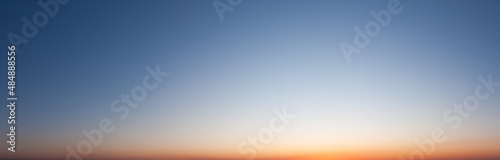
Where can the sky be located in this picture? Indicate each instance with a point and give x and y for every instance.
(228, 77)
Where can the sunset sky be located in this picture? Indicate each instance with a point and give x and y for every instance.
(227, 77)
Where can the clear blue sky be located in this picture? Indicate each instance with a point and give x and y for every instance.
(227, 76)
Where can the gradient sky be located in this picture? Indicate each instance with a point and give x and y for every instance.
(226, 77)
